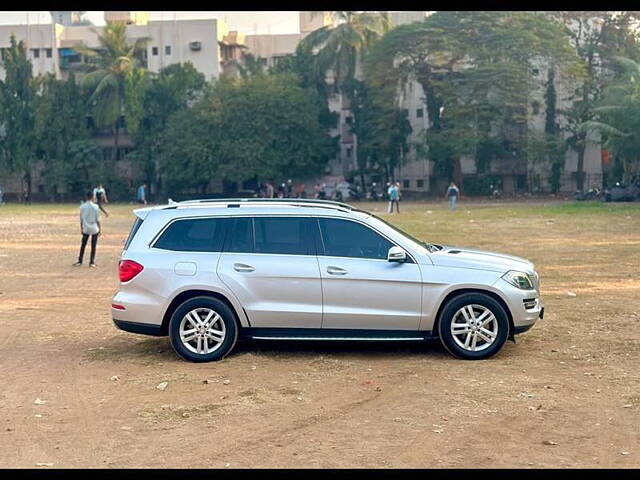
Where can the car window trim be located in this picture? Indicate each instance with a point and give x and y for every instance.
(151, 244)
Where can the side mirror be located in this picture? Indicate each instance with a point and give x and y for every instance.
(396, 254)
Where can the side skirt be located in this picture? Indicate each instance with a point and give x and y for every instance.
(334, 334)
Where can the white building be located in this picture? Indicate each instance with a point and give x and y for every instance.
(50, 46)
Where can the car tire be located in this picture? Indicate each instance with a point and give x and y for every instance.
(197, 342)
(460, 311)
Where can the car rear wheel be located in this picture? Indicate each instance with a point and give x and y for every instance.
(203, 329)
(473, 326)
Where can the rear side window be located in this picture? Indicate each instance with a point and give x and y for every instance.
(194, 235)
(344, 238)
(132, 233)
(289, 236)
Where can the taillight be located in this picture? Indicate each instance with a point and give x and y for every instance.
(128, 269)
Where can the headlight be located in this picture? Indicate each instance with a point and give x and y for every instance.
(518, 279)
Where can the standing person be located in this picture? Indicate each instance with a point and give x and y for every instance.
(100, 197)
(1, 196)
(270, 190)
(289, 189)
(322, 194)
(394, 196)
(316, 191)
(141, 195)
(452, 193)
(89, 226)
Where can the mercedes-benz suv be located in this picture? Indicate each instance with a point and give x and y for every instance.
(205, 272)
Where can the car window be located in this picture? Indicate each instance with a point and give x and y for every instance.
(194, 235)
(344, 238)
(240, 238)
(282, 235)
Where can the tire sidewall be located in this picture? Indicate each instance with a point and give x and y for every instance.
(222, 309)
(455, 304)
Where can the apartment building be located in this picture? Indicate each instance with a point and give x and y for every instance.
(50, 46)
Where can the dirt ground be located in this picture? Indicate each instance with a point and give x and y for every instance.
(77, 392)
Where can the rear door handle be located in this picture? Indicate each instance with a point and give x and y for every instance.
(242, 267)
(336, 271)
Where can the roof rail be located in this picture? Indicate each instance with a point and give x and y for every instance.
(293, 201)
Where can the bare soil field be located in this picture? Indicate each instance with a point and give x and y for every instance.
(77, 392)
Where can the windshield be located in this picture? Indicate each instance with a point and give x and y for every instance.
(428, 246)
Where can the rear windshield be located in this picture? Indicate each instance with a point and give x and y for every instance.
(134, 230)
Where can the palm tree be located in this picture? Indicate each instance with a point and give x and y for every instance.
(619, 117)
(116, 59)
(339, 47)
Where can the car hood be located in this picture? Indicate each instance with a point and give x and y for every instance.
(469, 258)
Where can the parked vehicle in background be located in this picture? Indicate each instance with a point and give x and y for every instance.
(205, 272)
(621, 193)
(594, 193)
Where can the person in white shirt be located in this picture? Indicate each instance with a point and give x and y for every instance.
(100, 197)
(89, 226)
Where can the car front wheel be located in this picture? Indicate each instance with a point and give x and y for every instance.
(203, 329)
(473, 326)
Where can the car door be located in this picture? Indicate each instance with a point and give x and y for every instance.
(361, 289)
(270, 264)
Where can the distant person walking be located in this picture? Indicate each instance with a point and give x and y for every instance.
(1, 196)
(89, 227)
(141, 195)
(394, 197)
(100, 197)
(453, 192)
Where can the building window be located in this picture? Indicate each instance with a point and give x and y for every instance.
(406, 183)
(48, 52)
(419, 113)
(405, 112)
(349, 151)
(167, 50)
(36, 52)
(154, 51)
(349, 120)
(420, 183)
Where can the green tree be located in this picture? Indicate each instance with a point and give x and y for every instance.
(597, 37)
(60, 120)
(476, 71)
(117, 66)
(340, 47)
(17, 113)
(260, 126)
(174, 89)
(617, 118)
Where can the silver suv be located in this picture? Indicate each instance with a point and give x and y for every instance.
(205, 272)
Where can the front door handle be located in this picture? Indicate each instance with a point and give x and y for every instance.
(336, 271)
(243, 267)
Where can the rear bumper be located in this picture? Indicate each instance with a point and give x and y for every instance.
(141, 328)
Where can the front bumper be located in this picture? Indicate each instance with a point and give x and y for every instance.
(526, 306)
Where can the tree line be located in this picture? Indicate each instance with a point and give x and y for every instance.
(481, 73)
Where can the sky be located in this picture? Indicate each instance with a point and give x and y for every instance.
(246, 21)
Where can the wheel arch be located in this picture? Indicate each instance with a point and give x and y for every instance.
(461, 291)
(192, 293)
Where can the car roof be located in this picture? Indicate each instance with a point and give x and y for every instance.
(243, 206)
